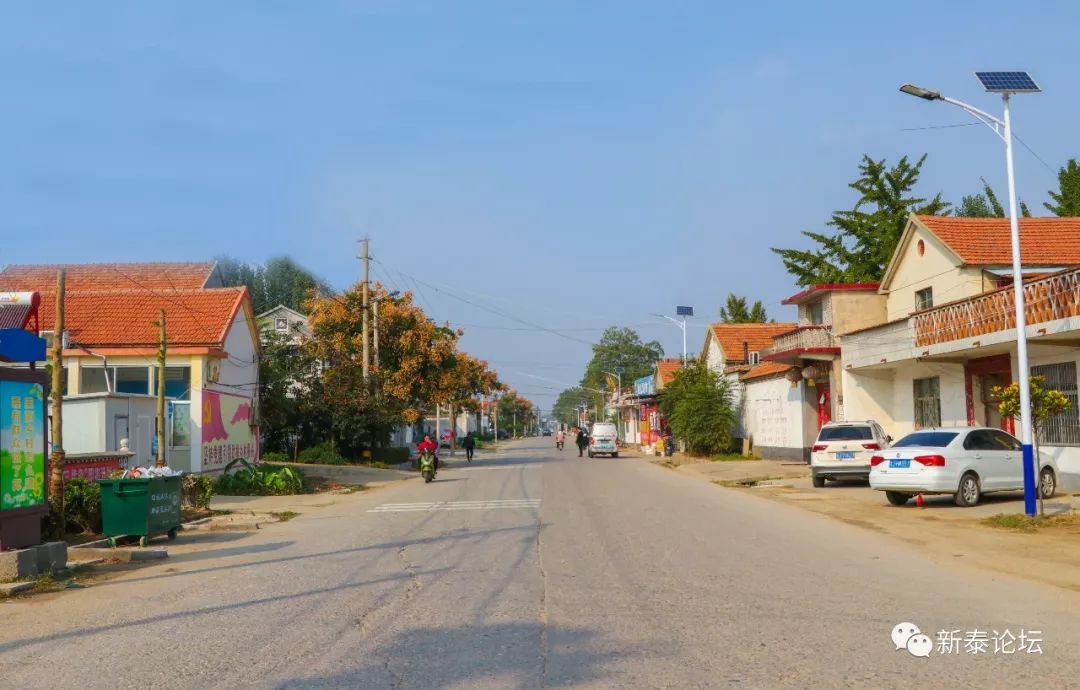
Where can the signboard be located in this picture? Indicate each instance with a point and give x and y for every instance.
(646, 385)
(226, 429)
(22, 445)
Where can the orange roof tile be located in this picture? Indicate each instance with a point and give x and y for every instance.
(986, 241)
(667, 368)
(167, 275)
(757, 336)
(765, 369)
(125, 318)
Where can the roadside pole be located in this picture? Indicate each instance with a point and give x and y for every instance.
(365, 306)
(56, 459)
(161, 356)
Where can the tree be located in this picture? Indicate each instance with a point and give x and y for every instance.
(736, 311)
(515, 412)
(986, 205)
(619, 347)
(697, 404)
(1067, 198)
(280, 281)
(566, 406)
(1045, 405)
(291, 409)
(864, 238)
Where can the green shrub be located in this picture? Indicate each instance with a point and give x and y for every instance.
(197, 490)
(390, 456)
(276, 457)
(325, 453)
(82, 505)
(250, 480)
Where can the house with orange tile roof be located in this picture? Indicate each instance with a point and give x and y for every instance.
(731, 349)
(110, 356)
(949, 333)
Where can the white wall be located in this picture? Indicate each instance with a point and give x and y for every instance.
(1066, 457)
(888, 396)
(936, 268)
(773, 415)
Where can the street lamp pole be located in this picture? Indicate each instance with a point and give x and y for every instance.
(1003, 129)
(681, 324)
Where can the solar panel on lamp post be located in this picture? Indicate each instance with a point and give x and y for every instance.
(1007, 83)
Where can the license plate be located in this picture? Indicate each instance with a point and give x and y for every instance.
(845, 455)
(901, 464)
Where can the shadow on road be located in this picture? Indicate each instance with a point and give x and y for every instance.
(500, 654)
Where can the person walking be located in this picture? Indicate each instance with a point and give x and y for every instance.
(582, 442)
(469, 444)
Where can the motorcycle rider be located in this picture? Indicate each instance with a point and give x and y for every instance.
(430, 446)
(560, 438)
(469, 444)
(582, 442)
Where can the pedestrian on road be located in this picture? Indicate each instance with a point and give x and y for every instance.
(469, 444)
(582, 441)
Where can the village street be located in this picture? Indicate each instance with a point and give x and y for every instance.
(533, 568)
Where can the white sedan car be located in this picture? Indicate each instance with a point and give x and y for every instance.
(963, 461)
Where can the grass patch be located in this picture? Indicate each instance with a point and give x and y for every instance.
(285, 515)
(380, 465)
(1023, 523)
(354, 488)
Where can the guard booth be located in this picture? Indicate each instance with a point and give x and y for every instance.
(24, 391)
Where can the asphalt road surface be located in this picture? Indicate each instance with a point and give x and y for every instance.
(534, 568)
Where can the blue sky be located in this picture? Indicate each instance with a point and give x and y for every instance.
(571, 164)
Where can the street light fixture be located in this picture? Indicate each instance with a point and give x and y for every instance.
(683, 312)
(1007, 83)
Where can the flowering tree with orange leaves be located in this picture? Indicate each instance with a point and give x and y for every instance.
(418, 365)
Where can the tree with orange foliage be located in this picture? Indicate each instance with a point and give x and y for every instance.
(419, 365)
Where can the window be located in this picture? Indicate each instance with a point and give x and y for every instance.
(1062, 429)
(281, 325)
(1004, 441)
(924, 299)
(815, 313)
(92, 380)
(755, 357)
(926, 439)
(178, 383)
(180, 424)
(845, 433)
(131, 380)
(927, 402)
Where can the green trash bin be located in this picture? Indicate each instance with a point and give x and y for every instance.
(141, 508)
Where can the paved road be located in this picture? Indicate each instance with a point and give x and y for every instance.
(536, 569)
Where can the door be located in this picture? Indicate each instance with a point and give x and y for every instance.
(988, 457)
(1012, 466)
(121, 431)
(991, 416)
(824, 406)
(144, 432)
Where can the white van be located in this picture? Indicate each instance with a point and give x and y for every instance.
(604, 440)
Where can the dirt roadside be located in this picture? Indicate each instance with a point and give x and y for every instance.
(948, 534)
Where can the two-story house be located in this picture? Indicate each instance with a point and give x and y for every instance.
(950, 333)
(282, 320)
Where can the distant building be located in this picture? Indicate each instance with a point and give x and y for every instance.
(284, 321)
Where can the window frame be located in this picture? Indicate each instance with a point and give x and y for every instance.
(923, 402)
(924, 299)
(1062, 429)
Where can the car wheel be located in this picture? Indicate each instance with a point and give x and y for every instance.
(614, 455)
(1047, 483)
(819, 482)
(967, 494)
(897, 499)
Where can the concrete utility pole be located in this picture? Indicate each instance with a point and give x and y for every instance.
(495, 416)
(162, 354)
(56, 360)
(365, 306)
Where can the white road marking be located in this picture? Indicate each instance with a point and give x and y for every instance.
(498, 504)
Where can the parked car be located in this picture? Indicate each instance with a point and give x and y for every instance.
(966, 462)
(547, 432)
(843, 450)
(604, 440)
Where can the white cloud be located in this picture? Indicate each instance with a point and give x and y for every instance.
(772, 67)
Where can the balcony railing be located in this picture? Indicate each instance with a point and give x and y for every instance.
(1046, 299)
(802, 338)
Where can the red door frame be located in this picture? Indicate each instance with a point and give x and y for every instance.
(996, 364)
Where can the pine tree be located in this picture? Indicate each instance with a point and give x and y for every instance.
(736, 311)
(1067, 198)
(986, 205)
(864, 237)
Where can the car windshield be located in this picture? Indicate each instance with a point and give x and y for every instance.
(926, 439)
(845, 433)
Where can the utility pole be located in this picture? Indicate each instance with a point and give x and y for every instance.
(495, 416)
(162, 353)
(375, 331)
(56, 469)
(365, 306)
